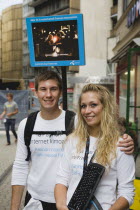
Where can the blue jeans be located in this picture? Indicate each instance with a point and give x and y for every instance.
(10, 123)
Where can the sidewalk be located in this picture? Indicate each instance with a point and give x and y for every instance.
(138, 167)
(7, 154)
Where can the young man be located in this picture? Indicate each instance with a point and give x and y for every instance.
(10, 111)
(46, 150)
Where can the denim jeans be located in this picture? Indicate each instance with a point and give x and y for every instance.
(10, 123)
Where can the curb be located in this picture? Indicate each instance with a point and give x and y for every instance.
(6, 172)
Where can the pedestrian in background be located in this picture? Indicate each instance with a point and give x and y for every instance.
(10, 111)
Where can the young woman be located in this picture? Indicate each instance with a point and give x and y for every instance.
(97, 120)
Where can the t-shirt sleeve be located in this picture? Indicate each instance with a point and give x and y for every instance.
(64, 168)
(4, 107)
(16, 105)
(126, 176)
(20, 166)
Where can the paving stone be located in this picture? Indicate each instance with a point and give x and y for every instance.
(7, 153)
(138, 166)
(5, 194)
(7, 156)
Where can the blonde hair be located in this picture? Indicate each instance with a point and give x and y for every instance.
(109, 132)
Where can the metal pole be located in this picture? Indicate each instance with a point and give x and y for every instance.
(64, 81)
(128, 91)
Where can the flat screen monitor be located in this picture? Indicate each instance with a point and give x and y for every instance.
(56, 40)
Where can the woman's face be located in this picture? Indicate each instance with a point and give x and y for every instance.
(91, 108)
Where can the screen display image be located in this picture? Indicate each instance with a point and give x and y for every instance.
(56, 40)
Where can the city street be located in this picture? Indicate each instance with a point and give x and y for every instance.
(7, 155)
(76, 56)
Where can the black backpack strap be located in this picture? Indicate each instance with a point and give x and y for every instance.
(29, 127)
(69, 121)
(28, 131)
(50, 133)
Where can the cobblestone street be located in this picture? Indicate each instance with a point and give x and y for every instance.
(7, 155)
(5, 193)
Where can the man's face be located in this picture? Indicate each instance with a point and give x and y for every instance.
(9, 98)
(48, 94)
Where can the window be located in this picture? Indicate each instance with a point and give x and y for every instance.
(125, 4)
(123, 93)
(114, 21)
(115, 2)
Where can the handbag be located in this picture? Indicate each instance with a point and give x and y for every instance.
(83, 198)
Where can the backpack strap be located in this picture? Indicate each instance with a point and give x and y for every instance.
(28, 131)
(69, 126)
(51, 133)
(69, 121)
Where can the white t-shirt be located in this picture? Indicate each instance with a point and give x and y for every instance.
(46, 151)
(121, 172)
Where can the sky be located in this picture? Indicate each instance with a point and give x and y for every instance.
(7, 3)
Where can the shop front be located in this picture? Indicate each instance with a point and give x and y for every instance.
(127, 59)
(128, 85)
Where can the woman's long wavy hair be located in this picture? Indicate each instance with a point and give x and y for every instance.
(109, 132)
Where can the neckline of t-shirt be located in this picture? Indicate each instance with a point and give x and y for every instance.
(92, 138)
(9, 102)
(51, 121)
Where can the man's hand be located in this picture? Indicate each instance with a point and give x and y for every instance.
(12, 113)
(2, 114)
(127, 143)
(9, 114)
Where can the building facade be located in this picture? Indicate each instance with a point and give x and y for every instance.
(27, 71)
(11, 52)
(127, 57)
(97, 29)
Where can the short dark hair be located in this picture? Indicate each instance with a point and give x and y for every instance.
(122, 121)
(47, 75)
(10, 95)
